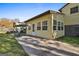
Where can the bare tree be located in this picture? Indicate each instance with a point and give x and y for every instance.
(16, 20)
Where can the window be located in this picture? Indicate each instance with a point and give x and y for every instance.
(54, 24)
(59, 26)
(39, 26)
(33, 27)
(74, 10)
(44, 25)
(29, 27)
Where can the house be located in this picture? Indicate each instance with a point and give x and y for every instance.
(45, 25)
(52, 24)
(71, 19)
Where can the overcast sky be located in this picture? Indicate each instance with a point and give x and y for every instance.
(24, 11)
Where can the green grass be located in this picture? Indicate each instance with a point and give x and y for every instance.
(71, 40)
(9, 46)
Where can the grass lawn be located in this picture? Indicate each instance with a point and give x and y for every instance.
(9, 46)
(70, 39)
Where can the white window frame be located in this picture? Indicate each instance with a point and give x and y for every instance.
(39, 26)
(55, 25)
(45, 25)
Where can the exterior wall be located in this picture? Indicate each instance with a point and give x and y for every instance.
(71, 20)
(58, 17)
(41, 33)
(46, 33)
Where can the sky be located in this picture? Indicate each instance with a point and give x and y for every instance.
(24, 11)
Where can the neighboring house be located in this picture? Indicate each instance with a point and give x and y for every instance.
(53, 24)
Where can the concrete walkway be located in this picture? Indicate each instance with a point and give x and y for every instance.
(37, 47)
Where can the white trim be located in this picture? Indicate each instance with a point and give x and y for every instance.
(52, 23)
(45, 25)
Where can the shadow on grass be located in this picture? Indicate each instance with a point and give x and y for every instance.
(10, 46)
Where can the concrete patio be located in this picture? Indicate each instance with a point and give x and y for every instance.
(38, 47)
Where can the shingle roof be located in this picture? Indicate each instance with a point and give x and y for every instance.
(44, 13)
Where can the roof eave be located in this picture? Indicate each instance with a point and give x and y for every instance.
(63, 7)
(47, 12)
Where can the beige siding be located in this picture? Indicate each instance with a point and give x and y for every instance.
(46, 33)
(70, 19)
(41, 33)
(58, 17)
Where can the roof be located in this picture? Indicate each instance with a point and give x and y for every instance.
(63, 7)
(44, 13)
